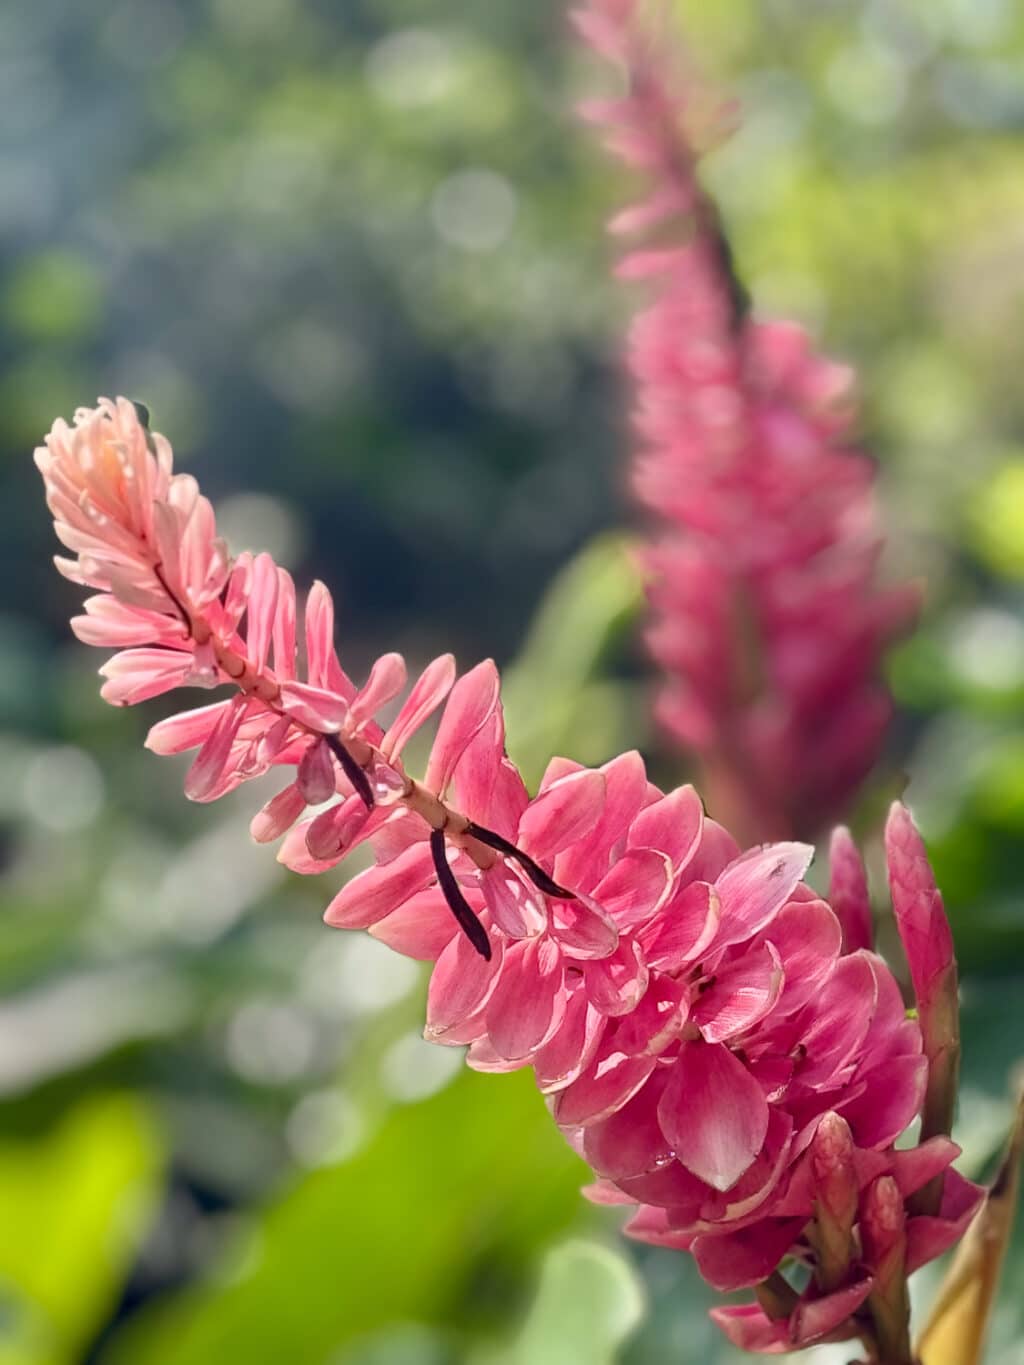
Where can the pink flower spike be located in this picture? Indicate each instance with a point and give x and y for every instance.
(848, 891)
(768, 621)
(428, 692)
(713, 1113)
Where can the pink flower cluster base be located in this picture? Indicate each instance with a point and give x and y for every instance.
(718, 1041)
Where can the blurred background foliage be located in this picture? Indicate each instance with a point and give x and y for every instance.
(351, 255)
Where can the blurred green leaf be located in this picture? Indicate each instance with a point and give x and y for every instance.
(74, 1204)
(438, 1218)
(53, 295)
(554, 704)
(588, 1302)
(996, 520)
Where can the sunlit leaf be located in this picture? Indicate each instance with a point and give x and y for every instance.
(75, 1203)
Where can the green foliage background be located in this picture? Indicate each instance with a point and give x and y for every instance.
(351, 255)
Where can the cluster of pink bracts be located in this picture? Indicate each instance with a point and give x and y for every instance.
(767, 621)
(718, 1041)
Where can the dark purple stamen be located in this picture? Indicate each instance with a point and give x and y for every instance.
(457, 903)
(352, 770)
(536, 874)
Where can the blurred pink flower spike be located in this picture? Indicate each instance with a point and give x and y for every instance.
(768, 623)
(928, 941)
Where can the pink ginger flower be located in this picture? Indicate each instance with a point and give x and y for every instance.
(719, 1043)
(767, 620)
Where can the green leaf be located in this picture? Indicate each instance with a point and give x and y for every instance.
(75, 1205)
(554, 698)
(996, 519)
(435, 1221)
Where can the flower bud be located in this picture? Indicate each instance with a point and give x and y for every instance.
(883, 1231)
(928, 941)
(835, 1198)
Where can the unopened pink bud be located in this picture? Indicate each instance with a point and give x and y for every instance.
(883, 1236)
(917, 905)
(928, 941)
(848, 891)
(883, 1224)
(835, 1198)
